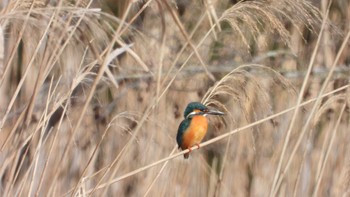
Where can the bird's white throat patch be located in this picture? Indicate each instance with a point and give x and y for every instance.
(194, 113)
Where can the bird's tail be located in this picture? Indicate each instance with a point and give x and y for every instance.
(186, 155)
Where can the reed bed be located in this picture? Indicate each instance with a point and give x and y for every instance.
(92, 93)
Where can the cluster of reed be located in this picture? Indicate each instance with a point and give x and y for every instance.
(92, 93)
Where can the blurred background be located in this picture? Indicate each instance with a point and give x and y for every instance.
(92, 93)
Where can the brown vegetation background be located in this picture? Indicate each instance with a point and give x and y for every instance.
(92, 93)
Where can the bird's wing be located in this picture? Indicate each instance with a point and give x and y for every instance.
(181, 130)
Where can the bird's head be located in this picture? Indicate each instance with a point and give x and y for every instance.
(196, 108)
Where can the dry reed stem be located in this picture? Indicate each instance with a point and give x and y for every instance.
(160, 67)
(210, 11)
(292, 122)
(316, 104)
(331, 141)
(128, 24)
(134, 55)
(222, 167)
(196, 27)
(12, 53)
(186, 36)
(88, 100)
(51, 149)
(6, 70)
(97, 79)
(41, 138)
(158, 174)
(24, 113)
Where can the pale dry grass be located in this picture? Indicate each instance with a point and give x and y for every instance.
(90, 102)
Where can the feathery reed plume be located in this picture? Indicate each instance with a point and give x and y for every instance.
(250, 19)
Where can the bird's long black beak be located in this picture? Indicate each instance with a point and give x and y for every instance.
(214, 112)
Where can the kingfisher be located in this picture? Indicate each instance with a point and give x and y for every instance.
(194, 127)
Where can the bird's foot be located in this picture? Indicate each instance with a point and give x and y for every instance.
(190, 149)
(198, 146)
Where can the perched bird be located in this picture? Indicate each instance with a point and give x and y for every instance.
(194, 127)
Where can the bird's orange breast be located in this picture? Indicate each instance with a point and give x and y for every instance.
(196, 132)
